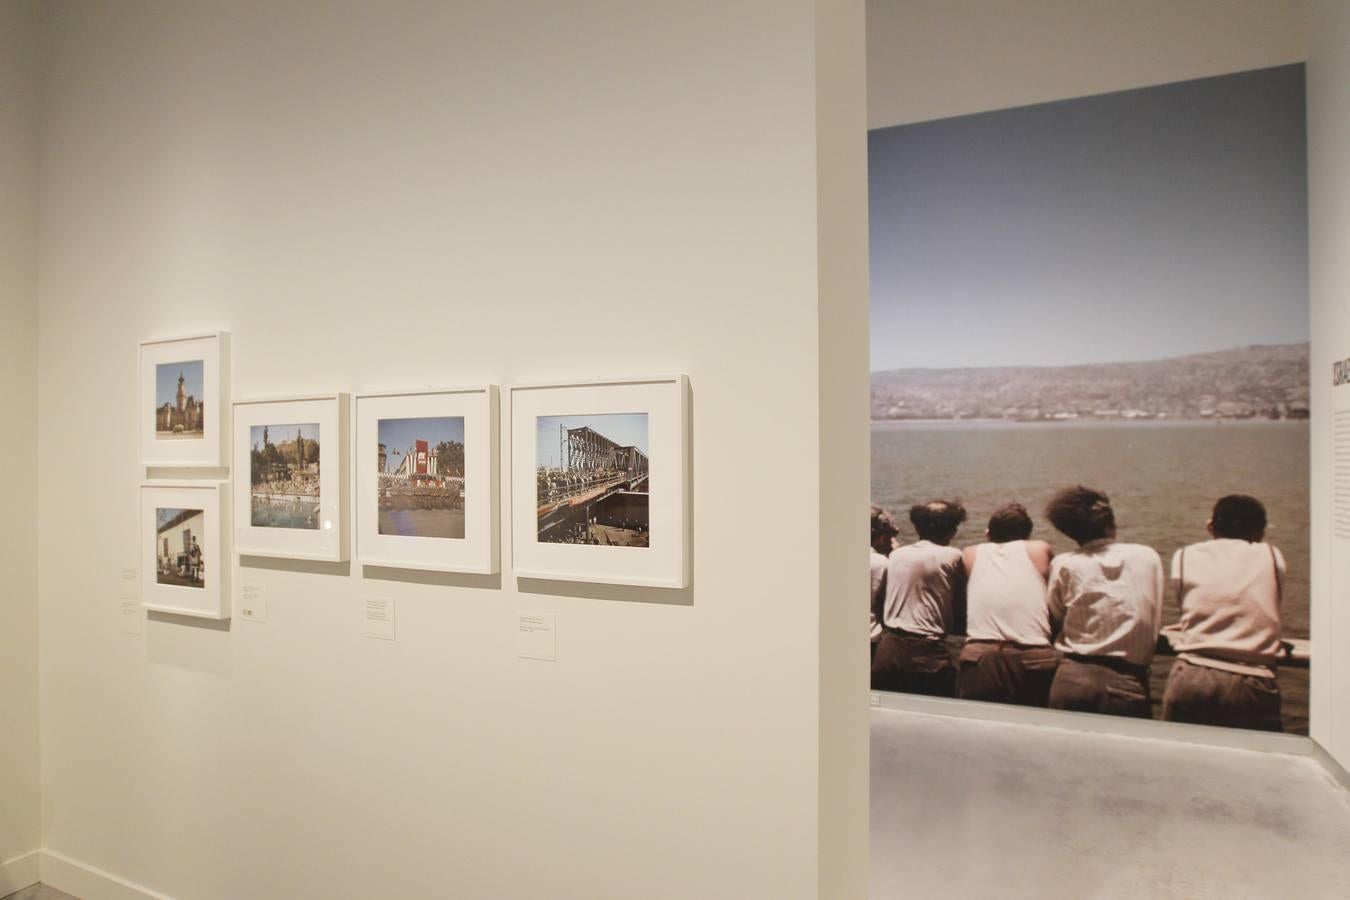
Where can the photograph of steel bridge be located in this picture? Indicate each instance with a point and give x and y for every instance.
(593, 479)
(284, 474)
(421, 477)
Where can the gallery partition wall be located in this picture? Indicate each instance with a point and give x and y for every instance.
(20, 777)
(534, 312)
(1329, 234)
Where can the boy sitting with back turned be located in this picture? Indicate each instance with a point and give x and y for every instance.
(924, 602)
(1007, 657)
(883, 542)
(1106, 606)
(1229, 590)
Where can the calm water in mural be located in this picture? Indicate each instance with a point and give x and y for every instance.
(1163, 478)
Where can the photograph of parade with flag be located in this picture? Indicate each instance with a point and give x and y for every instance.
(421, 477)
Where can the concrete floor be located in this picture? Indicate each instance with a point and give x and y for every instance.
(972, 809)
(964, 808)
(40, 892)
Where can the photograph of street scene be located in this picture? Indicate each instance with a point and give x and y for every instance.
(1089, 394)
(421, 477)
(180, 408)
(593, 479)
(178, 550)
(284, 474)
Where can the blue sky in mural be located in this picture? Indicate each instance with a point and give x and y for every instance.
(1142, 224)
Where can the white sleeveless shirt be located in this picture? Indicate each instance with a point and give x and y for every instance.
(1006, 596)
(1230, 594)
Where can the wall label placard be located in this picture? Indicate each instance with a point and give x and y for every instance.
(129, 583)
(1340, 451)
(379, 618)
(536, 636)
(1340, 373)
(129, 612)
(253, 603)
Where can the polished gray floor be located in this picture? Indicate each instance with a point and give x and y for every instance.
(40, 892)
(964, 808)
(974, 809)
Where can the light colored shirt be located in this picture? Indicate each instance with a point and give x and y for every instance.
(1229, 592)
(879, 563)
(1106, 600)
(921, 584)
(1006, 596)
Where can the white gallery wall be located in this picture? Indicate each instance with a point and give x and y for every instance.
(931, 59)
(378, 196)
(20, 803)
(1329, 282)
(845, 443)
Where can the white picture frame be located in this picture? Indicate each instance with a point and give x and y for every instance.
(191, 431)
(291, 521)
(464, 539)
(184, 548)
(601, 507)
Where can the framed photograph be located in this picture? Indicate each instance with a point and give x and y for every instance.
(599, 481)
(426, 483)
(291, 480)
(184, 560)
(184, 401)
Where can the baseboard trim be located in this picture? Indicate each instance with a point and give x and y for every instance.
(1150, 729)
(1333, 768)
(89, 882)
(20, 872)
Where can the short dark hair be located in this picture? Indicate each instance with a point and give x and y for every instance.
(1082, 513)
(1010, 522)
(882, 524)
(937, 519)
(1239, 516)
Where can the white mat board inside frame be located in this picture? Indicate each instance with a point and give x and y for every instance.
(600, 481)
(427, 494)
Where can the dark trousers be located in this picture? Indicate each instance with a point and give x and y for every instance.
(1101, 685)
(1004, 672)
(913, 665)
(1201, 695)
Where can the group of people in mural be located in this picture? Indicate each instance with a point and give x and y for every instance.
(1079, 630)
